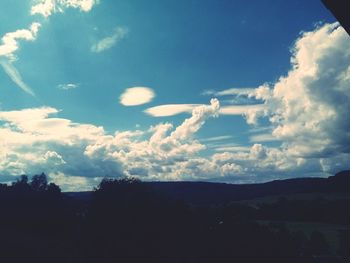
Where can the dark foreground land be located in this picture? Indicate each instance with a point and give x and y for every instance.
(125, 220)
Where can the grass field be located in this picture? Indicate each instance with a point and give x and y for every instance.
(330, 231)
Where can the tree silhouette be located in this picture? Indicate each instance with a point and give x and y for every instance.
(39, 182)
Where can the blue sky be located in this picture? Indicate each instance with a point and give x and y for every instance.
(225, 91)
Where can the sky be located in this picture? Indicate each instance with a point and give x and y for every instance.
(197, 90)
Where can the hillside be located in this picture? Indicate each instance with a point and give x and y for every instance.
(204, 193)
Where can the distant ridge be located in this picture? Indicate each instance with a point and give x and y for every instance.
(204, 193)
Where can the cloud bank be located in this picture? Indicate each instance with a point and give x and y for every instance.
(37, 141)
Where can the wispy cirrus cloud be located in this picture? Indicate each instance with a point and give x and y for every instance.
(10, 44)
(216, 138)
(16, 77)
(262, 92)
(251, 112)
(228, 92)
(119, 33)
(10, 41)
(231, 148)
(264, 137)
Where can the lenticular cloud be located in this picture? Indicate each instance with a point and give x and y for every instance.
(137, 96)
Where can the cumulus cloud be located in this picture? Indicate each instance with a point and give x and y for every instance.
(136, 96)
(37, 140)
(47, 7)
(10, 42)
(163, 153)
(310, 106)
(119, 33)
(307, 110)
(199, 115)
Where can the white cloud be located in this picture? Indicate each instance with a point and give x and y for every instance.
(10, 40)
(227, 92)
(244, 102)
(199, 116)
(229, 148)
(68, 86)
(170, 109)
(251, 112)
(47, 7)
(309, 107)
(216, 138)
(72, 183)
(260, 93)
(110, 41)
(15, 76)
(36, 141)
(136, 96)
(10, 44)
(162, 155)
(308, 111)
(264, 137)
(260, 129)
